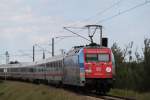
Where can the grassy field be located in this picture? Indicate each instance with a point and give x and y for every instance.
(131, 94)
(11, 90)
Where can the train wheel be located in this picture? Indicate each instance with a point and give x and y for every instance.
(100, 92)
(36, 81)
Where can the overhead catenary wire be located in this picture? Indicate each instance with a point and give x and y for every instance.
(76, 34)
(113, 16)
(97, 14)
(105, 10)
(124, 11)
(42, 48)
(62, 38)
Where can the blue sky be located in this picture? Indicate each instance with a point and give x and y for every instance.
(24, 23)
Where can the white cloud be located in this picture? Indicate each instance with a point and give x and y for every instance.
(28, 28)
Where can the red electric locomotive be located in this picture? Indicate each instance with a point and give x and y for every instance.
(99, 68)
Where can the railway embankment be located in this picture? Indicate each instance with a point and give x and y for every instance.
(13, 90)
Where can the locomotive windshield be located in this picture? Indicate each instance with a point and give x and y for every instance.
(91, 58)
(103, 57)
(97, 57)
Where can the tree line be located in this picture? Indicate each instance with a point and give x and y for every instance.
(132, 73)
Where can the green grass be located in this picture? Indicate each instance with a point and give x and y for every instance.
(131, 94)
(10, 90)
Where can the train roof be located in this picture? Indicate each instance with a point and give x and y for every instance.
(29, 64)
(50, 59)
(76, 49)
(16, 65)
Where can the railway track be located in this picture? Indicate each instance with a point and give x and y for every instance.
(96, 96)
(109, 97)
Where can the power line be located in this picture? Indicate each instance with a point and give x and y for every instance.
(65, 36)
(124, 11)
(113, 16)
(37, 45)
(76, 34)
(98, 13)
(62, 38)
(103, 11)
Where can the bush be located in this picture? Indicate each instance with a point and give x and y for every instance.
(133, 75)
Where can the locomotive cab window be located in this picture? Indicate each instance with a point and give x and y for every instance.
(103, 57)
(91, 58)
(97, 58)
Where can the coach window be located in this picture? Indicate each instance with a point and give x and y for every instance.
(49, 65)
(1, 70)
(59, 64)
(31, 69)
(41, 69)
(55, 64)
(21, 69)
(34, 69)
(15, 70)
(52, 64)
(38, 69)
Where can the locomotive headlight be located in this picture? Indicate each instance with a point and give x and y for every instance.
(88, 70)
(108, 69)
